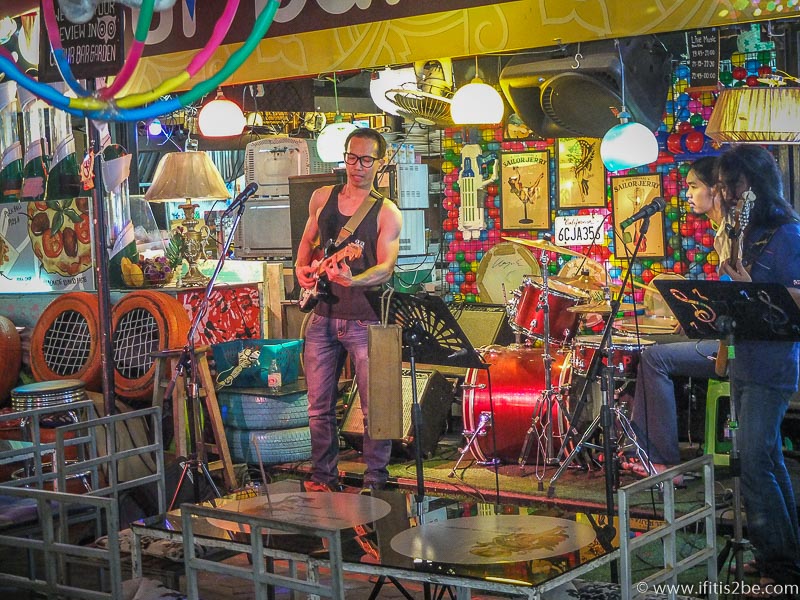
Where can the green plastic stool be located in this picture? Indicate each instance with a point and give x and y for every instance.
(718, 402)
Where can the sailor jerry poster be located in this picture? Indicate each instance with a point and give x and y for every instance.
(629, 193)
(525, 192)
(581, 174)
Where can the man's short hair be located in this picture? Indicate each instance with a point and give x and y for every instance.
(370, 134)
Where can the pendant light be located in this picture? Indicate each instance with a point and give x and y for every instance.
(477, 103)
(629, 144)
(330, 142)
(221, 118)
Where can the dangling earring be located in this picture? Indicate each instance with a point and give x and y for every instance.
(749, 198)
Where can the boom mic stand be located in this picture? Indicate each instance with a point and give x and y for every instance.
(606, 417)
(187, 366)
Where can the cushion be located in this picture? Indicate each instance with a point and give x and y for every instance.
(152, 546)
(142, 588)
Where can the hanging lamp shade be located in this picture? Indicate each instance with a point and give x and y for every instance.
(477, 103)
(390, 79)
(756, 115)
(628, 145)
(221, 118)
(330, 142)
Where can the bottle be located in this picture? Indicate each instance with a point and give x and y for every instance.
(726, 430)
(10, 144)
(274, 377)
(35, 115)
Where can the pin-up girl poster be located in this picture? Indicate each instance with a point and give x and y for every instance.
(629, 193)
(525, 190)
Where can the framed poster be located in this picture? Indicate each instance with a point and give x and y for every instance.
(581, 174)
(525, 190)
(629, 193)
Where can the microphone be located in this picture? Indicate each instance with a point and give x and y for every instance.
(657, 205)
(240, 199)
(459, 353)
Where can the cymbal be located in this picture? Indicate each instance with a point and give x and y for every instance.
(542, 245)
(591, 285)
(601, 308)
(645, 286)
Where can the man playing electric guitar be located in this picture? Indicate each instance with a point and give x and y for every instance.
(337, 329)
(321, 290)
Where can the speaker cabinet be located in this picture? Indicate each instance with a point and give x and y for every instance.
(484, 324)
(557, 99)
(435, 395)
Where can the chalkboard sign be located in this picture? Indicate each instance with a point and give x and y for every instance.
(704, 59)
(93, 49)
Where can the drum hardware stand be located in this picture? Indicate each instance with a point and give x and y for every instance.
(530, 435)
(606, 417)
(195, 465)
(484, 421)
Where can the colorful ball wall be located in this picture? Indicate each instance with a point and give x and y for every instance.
(688, 248)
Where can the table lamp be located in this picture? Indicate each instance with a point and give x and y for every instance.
(188, 176)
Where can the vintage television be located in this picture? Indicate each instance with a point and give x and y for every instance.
(265, 228)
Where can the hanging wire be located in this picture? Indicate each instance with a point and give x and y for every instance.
(622, 75)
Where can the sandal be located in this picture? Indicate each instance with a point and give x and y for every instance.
(750, 567)
(636, 467)
(765, 588)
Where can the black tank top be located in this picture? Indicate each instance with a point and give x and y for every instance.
(350, 303)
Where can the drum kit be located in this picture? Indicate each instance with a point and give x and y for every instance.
(520, 404)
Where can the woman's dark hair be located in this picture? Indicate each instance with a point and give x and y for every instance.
(760, 170)
(370, 134)
(706, 170)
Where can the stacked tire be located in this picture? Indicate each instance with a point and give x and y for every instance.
(274, 427)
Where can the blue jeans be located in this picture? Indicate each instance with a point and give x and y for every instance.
(328, 341)
(766, 488)
(654, 413)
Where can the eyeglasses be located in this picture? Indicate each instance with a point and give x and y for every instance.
(366, 161)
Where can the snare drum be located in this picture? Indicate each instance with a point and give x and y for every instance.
(624, 351)
(527, 312)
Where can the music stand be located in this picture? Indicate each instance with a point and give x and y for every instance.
(432, 335)
(734, 310)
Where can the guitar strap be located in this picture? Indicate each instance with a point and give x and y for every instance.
(352, 224)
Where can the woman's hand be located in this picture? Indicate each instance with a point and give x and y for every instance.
(739, 273)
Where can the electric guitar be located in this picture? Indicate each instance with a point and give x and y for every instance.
(734, 231)
(321, 290)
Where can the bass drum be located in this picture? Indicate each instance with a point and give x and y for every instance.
(513, 386)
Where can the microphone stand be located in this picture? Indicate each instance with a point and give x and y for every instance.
(187, 366)
(606, 417)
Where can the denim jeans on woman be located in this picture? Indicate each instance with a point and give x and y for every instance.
(654, 413)
(767, 492)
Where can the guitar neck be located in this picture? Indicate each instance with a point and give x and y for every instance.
(336, 257)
